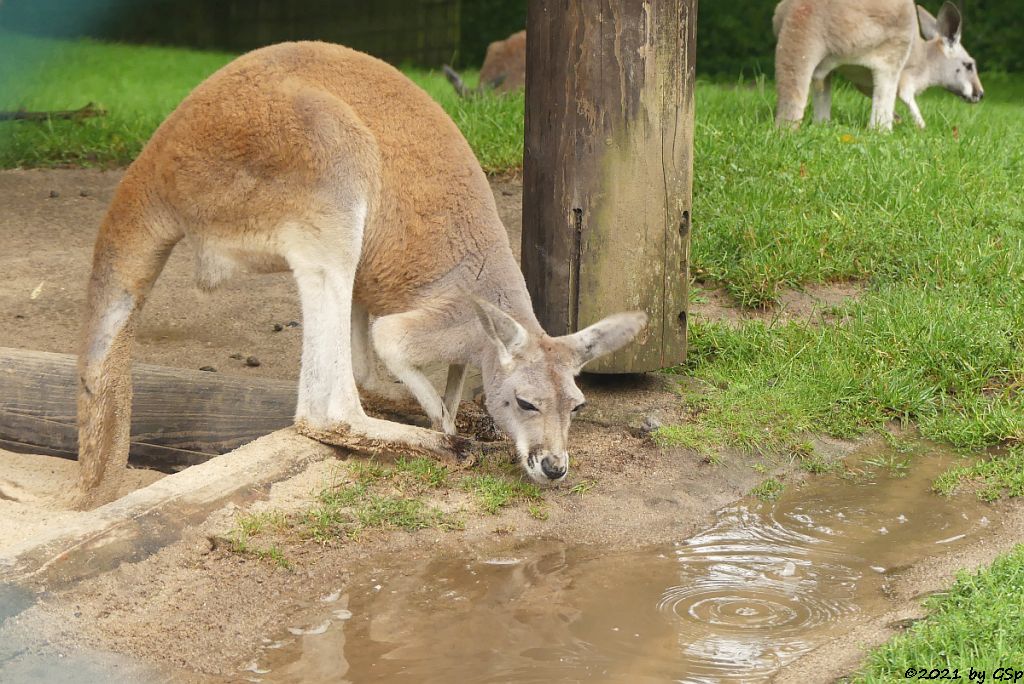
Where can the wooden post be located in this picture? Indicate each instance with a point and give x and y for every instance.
(608, 168)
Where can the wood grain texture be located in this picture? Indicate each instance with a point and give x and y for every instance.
(608, 169)
(179, 417)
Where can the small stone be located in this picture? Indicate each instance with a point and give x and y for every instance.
(650, 424)
(208, 369)
(236, 355)
(293, 324)
(278, 327)
(19, 315)
(83, 193)
(54, 194)
(252, 362)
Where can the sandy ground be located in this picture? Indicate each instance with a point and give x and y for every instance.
(33, 490)
(214, 606)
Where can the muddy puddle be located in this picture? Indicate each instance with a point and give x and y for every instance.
(763, 584)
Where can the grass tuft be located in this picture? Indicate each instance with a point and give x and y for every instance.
(249, 526)
(994, 478)
(494, 492)
(345, 511)
(769, 490)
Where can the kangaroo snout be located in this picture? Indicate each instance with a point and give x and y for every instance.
(554, 469)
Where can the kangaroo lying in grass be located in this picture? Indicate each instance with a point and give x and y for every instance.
(874, 43)
(325, 161)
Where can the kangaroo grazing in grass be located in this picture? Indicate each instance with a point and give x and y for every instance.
(878, 46)
(504, 68)
(325, 161)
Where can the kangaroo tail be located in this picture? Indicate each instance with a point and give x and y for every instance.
(130, 252)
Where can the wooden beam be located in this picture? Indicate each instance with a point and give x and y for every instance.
(179, 417)
(608, 168)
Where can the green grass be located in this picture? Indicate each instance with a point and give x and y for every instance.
(139, 86)
(378, 498)
(493, 492)
(241, 540)
(977, 624)
(993, 478)
(769, 490)
(371, 497)
(374, 496)
(346, 511)
(928, 221)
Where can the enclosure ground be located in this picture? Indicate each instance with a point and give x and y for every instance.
(215, 600)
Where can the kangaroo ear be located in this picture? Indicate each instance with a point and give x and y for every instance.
(607, 335)
(929, 24)
(950, 23)
(500, 328)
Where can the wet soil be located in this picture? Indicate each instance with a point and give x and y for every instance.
(763, 585)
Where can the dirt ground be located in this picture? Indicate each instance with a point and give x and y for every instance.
(814, 304)
(215, 605)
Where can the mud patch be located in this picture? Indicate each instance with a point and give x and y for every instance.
(765, 584)
(814, 304)
(216, 606)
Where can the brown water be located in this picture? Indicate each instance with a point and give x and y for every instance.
(765, 583)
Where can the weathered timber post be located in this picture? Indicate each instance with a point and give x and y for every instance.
(608, 168)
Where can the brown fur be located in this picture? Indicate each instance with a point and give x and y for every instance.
(504, 66)
(264, 142)
(327, 161)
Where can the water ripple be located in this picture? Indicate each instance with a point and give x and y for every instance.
(752, 586)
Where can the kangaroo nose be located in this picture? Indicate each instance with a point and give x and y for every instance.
(551, 469)
(981, 95)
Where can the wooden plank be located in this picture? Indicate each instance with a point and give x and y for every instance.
(179, 417)
(608, 168)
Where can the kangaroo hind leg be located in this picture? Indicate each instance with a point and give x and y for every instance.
(329, 409)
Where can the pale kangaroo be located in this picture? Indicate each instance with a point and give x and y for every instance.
(325, 161)
(878, 46)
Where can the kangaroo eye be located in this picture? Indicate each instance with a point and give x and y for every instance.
(969, 67)
(579, 407)
(525, 405)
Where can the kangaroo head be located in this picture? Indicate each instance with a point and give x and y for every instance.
(529, 382)
(949, 63)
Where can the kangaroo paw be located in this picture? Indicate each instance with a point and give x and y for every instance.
(459, 450)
